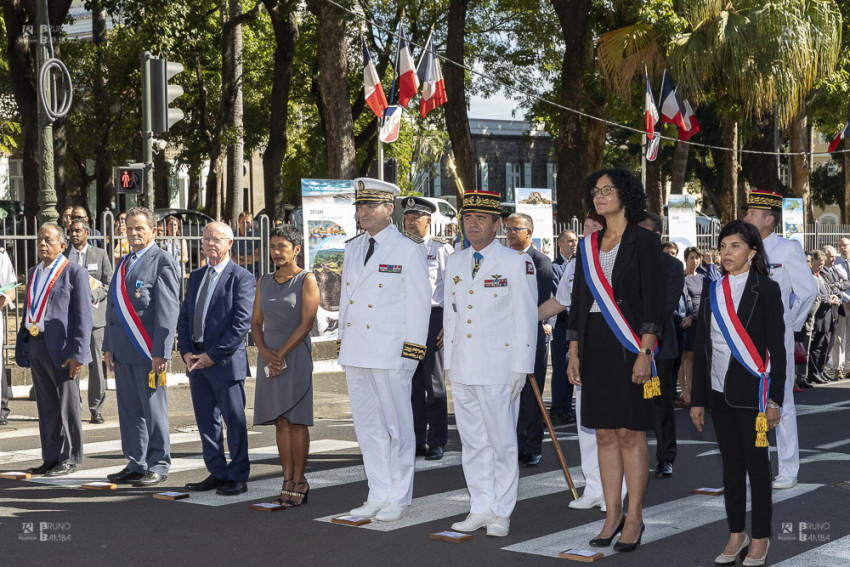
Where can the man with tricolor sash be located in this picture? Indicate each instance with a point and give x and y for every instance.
(141, 318)
(53, 341)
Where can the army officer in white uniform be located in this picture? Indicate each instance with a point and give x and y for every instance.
(490, 339)
(787, 265)
(383, 322)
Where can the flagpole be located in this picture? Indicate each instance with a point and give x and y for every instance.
(643, 161)
(380, 153)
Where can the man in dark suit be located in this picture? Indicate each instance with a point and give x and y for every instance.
(214, 320)
(561, 410)
(99, 267)
(520, 227)
(82, 213)
(664, 418)
(53, 341)
(141, 317)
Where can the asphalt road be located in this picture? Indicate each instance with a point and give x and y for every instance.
(59, 523)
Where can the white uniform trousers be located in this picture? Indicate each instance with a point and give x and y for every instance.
(590, 456)
(787, 445)
(842, 336)
(486, 421)
(383, 423)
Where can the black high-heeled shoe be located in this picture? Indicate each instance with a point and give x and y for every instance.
(297, 494)
(620, 546)
(284, 493)
(606, 541)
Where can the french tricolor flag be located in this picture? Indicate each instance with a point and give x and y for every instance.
(408, 82)
(431, 78)
(690, 120)
(650, 119)
(372, 88)
(671, 113)
(841, 135)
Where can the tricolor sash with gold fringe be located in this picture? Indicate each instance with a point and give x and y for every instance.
(742, 347)
(38, 292)
(604, 295)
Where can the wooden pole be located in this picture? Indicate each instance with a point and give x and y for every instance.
(552, 435)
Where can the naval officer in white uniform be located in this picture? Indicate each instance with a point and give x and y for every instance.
(490, 339)
(384, 308)
(788, 268)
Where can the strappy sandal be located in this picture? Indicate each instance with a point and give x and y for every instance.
(294, 493)
(283, 499)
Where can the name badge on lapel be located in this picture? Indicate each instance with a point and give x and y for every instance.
(139, 284)
(496, 282)
(92, 267)
(390, 268)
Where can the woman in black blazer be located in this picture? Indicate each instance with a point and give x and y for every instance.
(724, 385)
(612, 377)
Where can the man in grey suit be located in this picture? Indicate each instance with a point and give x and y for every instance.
(53, 341)
(99, 267)
(141, 318)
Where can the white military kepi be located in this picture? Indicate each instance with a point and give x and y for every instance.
(368, 190)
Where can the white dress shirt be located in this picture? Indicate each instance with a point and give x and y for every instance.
(720, 351)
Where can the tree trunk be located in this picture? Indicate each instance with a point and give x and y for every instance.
(235, 157)
(213, 204)
(570, 144)
(457, 121)
(194, 201)
(680, 166)
(595, 139)
(764, 168)
(654, 187)
(337, 122)
(285, 26)
(104, 184)
(800, 172)
(729, 186)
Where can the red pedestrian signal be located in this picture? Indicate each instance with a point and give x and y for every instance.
(130, 179)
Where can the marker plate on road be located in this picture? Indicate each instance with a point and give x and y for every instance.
(15, 475)
(98, 485)
(584, 555)
(351, 520)
(267, 507)
(451, 536)
(708, 491)
(171, 495)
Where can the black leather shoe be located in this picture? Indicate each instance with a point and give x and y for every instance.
(818, 380)
(232, 489)
(805, 384)
(620, 546)
(532, 460)
(561, 418)
(435, 453)
(606, 541)
(96, 417)
(421, 450)
(209, 483)
(150, 478)
(125, 476)
(61, 469)
(664, 469)
(41, 469)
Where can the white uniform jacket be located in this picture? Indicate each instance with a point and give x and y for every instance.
(384, 306)
(490, 321)
(787, 267)
(438, 253)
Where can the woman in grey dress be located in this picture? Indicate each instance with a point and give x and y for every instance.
(284, 313)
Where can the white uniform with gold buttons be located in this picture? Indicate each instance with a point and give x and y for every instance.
(383, 322)
(787, 266)
(490, 337)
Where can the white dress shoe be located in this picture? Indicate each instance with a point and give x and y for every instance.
(391, 513)
(499, 527)
(724, 559)
(368, 509)
(753, 562)
(586, 502)
(782, 482)
(474, 522)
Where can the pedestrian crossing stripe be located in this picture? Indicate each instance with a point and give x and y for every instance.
(833, 554)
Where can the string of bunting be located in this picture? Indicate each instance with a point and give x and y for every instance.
(844, 131)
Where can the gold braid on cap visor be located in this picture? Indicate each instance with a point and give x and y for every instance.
(375, 195)
(760, 202)
(478, 203)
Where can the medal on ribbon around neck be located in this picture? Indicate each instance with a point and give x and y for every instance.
(37, 300)
(139, 284)
(34, 330)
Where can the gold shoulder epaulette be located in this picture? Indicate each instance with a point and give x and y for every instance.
(444, 240)
(413, 237)
(355, 236)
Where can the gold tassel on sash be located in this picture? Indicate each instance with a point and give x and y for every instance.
(152, 380)
(651, 388)
(761, 430)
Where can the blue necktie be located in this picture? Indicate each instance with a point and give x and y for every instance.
(478, 257)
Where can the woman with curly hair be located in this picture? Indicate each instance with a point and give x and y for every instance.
(616, 319)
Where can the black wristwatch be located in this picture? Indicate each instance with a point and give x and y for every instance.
(647, 352)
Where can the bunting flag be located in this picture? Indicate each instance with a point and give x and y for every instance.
(431, 78)
(671, 112)
(372, 88)
(690, 120)
(408, 82)
(390, 124)
(841, 135)
(650, 119)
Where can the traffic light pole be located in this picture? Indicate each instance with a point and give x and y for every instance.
(47, 191)
(147, 129)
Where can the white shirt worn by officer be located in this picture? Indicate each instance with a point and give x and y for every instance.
(788, 267)
(490, 339)
(383, 323)
(437, 254)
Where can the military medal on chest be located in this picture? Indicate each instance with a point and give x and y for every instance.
(139, 284)
(39, 290)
